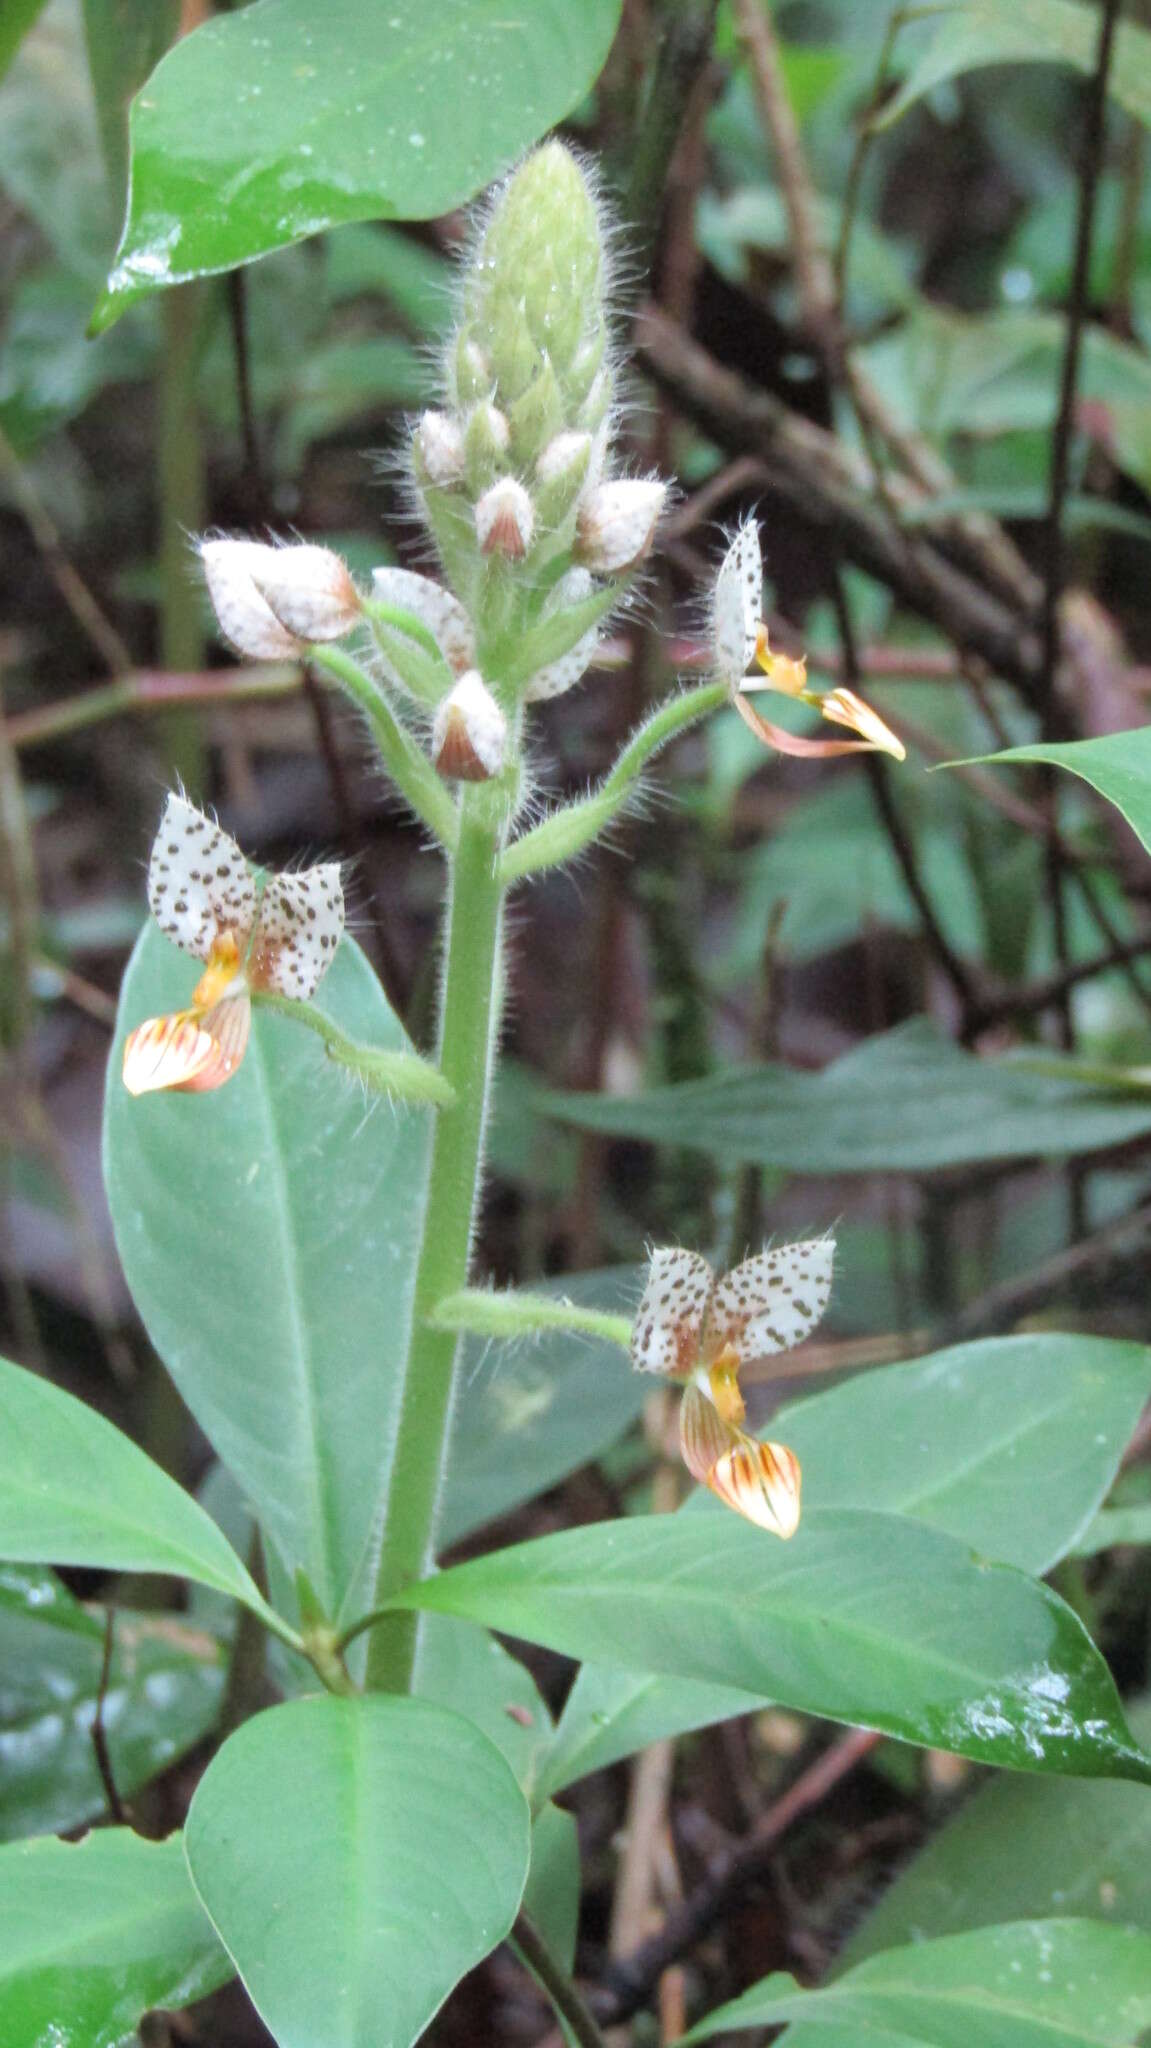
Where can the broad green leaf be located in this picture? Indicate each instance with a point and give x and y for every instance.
(461, 1666)
(162, 1696)
(973, 33)
(1031, 1984)
(96, 1933)
(74, 1490)
(268, 1234)
(125, 39)
(51, 166)
(528, 1413)
(1010, 1443)
(15, 22)
(907, 1101)
(867, 1618)
(357, 1856)
(1118, 766)
(609, 1714)
(274, 122)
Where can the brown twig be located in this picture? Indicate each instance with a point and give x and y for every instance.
(630, 1984)
(152, 690)
(1004, 1306)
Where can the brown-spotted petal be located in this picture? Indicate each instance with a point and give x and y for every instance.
(761, 1481)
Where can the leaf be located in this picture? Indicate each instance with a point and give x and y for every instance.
(162, 1696)
(974, 33)
(96, 1933)
(17, 19)
(461, 1666)
(527, 1414)
(1116, 1525)
(392, 1839)
(866, 1618)
(1118, 766)
(125, 39)
(273, 123)
(268, 1233)
(906, 1101)
(1068, 1983)
(1010, 1443)
(74, 1490)
(609, 1714)
(553, 1888)
(1021, 1850)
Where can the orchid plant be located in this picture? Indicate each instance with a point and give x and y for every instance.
(303, 1261)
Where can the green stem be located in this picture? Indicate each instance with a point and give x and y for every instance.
(405, 761)
(487, 1312)
(384, 1068)
(468, 1028)
(569, 830)
(534, 1952)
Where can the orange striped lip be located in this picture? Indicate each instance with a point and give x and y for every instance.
(760, 1481)
(190, 1051)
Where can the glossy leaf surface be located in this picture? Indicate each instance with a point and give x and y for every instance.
(394, 1841)
(280, 120)
(162, 1696)
(74, 1490)
(95, 1934)
(908, 1101)
(866, 1618)
(268, 1235)
(1030, 1984)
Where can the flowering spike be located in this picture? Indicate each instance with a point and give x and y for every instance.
(469, 737)
(309, 590)
(617, 523)
(505, 521)
(736, 606)
(435, 607)
(245, 617)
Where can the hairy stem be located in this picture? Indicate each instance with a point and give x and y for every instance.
(406, 763)
(468, 1028)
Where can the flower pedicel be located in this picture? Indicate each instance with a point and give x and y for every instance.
(702, 1332)
(206, 899)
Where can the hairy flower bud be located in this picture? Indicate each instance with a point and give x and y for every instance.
(534, 294)
(486, 438)
(434, 607)
(563, 470)
(567, 669)
(246, 619)
(470, 734)
(617, 523)
(505, 521)
(309, 590)
(441, 449)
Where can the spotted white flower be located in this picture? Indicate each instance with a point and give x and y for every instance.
(702, 1332)
(206, 899)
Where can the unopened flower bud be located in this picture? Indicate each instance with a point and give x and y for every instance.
(505, 521)
(435, 608)
(617, 523)
(470, 734)
(537, 416)
(441, 449)
(561, 474)
(486, 439)
(471, 371)
(309, 590)
(567, 669)
(245, 617)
